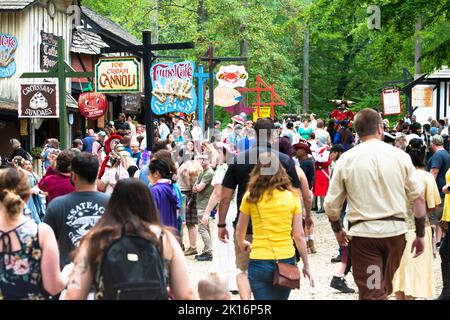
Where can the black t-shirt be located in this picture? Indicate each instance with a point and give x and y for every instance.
(122, 125)
(309, 170)
(238, 173)
(72, 216)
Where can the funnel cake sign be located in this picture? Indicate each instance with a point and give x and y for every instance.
(173, 88)
(8, 47)
(38, 100)
(118, 75)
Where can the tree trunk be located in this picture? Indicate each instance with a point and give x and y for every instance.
(418, 49)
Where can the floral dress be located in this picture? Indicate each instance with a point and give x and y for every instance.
(20, 271)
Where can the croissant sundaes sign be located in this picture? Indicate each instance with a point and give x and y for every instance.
(38, 100)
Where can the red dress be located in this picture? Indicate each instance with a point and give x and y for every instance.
(322, 182)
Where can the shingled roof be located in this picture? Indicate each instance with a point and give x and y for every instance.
(110, 26)
(87, 42)
(16, 4)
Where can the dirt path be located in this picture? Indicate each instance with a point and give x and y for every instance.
(321, 265)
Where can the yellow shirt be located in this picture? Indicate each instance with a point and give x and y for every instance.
(446, 213)
(272, 227)
(378, 181)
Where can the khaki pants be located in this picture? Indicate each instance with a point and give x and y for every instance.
(204, 232)
(375, 261)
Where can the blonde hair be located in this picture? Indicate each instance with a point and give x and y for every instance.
(14, 190)
(213, 287)
(260, 182)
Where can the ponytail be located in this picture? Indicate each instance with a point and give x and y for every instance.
(14, 190)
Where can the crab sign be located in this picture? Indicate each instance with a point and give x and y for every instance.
(232, 76)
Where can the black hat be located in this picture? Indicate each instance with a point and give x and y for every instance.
(337, 148)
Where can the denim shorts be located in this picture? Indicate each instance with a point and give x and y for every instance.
(260, 275)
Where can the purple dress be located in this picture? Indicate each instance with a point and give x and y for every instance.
(166, 201)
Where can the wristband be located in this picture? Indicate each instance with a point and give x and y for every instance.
(420, 227)
(336, 226)
(221, 225)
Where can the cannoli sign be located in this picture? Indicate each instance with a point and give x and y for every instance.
(118, 75)
(38, 100)
(8, 47)
(173, 88)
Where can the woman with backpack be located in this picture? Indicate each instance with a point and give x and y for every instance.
(157, 267)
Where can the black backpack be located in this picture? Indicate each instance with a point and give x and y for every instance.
(132, 269)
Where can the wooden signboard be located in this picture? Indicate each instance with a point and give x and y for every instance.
(49, 51)
(392, 103)
(118, 75)
(131, 103)
(38, 100)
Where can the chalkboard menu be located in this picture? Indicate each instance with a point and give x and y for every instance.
(49, 50)
(131, 103)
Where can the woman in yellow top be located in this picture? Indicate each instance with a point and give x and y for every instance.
(444, 250)
(414, 277)
(275, 209)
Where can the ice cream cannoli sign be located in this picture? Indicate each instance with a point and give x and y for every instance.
(38, 100)
(8, 47)
(118, 75)
(173, 88)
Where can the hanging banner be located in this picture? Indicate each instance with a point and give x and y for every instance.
(226, 97)
(92, 105)
(173, 88)
(38, 100)
(392, 103)
(49, 51)
(8, 47)
(422, 96)
(232, 76)
(131, 103)
(118, 75)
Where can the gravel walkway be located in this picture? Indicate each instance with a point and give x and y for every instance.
(321, 266)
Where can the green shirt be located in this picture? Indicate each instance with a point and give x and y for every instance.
(304, 132)
(203, 197)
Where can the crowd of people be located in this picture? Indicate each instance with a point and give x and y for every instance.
(247, 191)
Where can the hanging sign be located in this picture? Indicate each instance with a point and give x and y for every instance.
(38, 100)
(49, 51)
(422, 96)
(118, 75)
(264, 112)
(131, 103)
(92, 105)
(226, 97)
(173, 88)
(8, 46)
(232, 76)
(392, 103)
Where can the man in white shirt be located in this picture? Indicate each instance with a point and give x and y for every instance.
(313, 121)
(164, 130)
(322, 135)
(180, 123)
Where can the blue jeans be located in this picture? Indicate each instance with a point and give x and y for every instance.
(260, 275)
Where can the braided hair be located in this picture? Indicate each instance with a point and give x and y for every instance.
(417, 150)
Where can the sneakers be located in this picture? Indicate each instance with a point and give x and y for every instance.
(205, 256)
(191, 251)
(337, 259)
(341, 285)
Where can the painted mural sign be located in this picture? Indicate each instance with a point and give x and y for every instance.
(173, 87)
(118, 75)
(8, 47)
(49, 51)
(232, 76)
(38, 100)
(92, 105)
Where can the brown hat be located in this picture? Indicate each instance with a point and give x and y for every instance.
(302, 145)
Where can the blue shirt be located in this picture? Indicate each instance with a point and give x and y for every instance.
(440, 160)
(143, 175)
(87, 144)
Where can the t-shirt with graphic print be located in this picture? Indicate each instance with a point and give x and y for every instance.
(72, 216)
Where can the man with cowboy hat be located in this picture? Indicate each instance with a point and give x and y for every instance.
(302, 150)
